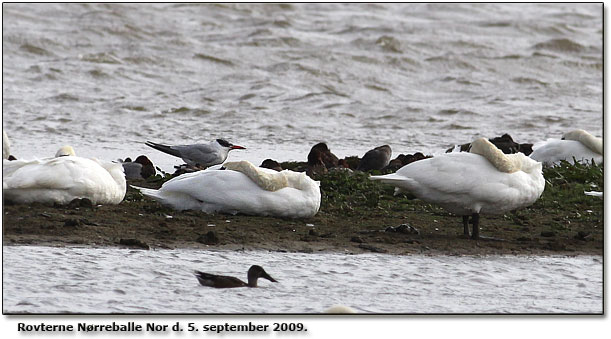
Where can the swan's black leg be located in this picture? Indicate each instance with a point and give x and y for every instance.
(465, 222)
(475, 220)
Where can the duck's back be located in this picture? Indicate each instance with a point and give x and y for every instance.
(60, 180)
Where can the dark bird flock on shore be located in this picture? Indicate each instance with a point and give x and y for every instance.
(486, 176)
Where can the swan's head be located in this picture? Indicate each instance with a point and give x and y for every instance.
(65, 151)
(575, 135)
(485, 148)
(587, 139)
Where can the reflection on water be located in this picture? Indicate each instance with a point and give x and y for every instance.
(105, 280)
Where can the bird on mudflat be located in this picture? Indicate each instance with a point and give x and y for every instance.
(241, 188)
(141, 168)
(375, 159)
(199, 155)
(482, 181)
(62, 179)
(577, 145)
(222, 281)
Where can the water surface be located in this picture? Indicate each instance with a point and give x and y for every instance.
(278, 78)
(109, 280)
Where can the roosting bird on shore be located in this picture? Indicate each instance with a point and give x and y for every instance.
(199, 155)
(482, 181)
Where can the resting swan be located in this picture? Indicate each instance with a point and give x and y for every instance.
(577, 145)
(242, 188)
(482, 181)
(63, 179)
(6, 146)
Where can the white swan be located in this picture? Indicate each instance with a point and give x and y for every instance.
(340, 309)
(242, 188)
(63, 179)
(6, 146)
(482, 181)
(577, 145)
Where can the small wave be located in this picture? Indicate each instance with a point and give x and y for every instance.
(495, 24)
(135, 108)
(187, 111)
(529, 81)
(458, 126)
(247, 96)
(451, 61)
(560, 45)
(101, 58)
(64, 97)
(213, 59)
(35, 49)
(461, 81)
(98, 74)
(456, 111)
(365, 59)
(276, 42)
(377, 88)
(389, 44)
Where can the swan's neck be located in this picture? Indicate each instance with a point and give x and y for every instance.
(495, 156)
(265, 180)
(593, 143)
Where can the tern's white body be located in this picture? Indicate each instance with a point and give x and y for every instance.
(577, 145)
(63, 179)
(230, 191)
(466, 183)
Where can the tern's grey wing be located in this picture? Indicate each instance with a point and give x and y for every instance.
(202, 154)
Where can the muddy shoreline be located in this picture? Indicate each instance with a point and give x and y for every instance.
(356, 216)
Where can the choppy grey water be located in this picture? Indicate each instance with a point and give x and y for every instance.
(50, 280)
(278, 78)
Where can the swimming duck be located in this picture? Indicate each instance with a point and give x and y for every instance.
(482, 181)
(222, 281)
(577, 145)
(199, 155)
(63, 179)
(241, 188)
(375, 159)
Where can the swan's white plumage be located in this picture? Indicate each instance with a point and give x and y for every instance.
(577, 145)
(340, 309)
(230, 191)
(65, 151)
(466, 183)
(6, 146)
(63, 179)
(594, 194)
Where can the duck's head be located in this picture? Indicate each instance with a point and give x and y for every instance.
(65, 151)
(255, 272)
(148, 168)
